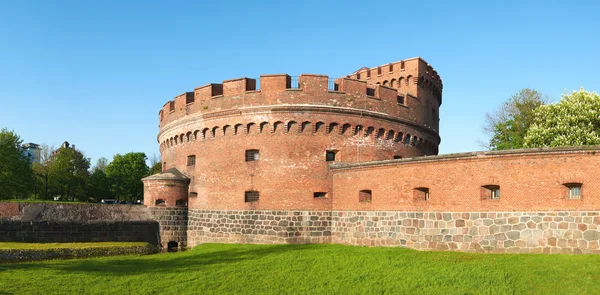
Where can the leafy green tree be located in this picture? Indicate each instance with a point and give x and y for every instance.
(573, 121)
(99, 186)
(68, 173)
(156, 168)
(155, 164)
(16, 176)
(508, 125)
(41, 170)
(126, 172)
(101, 164)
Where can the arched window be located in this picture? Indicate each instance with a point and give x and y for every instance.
(318, 126)
(251, 128)
(278, 126)
(225, 129)
(292, 126)
(332, 127)
(345, 128)
(305, 126)
(357, 130)
(380, 133)
(264, 126)
(238, 129)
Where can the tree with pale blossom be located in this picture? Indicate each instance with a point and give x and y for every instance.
(573, 121)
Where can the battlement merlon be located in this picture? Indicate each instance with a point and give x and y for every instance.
(278, 89)
(414, 76)
(411, 66)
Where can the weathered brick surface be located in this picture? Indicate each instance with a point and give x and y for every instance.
(262, 227)
(529, 180)
(292, 126)
(67, 232)
(173, 225)
(61, 223)
(170, 191)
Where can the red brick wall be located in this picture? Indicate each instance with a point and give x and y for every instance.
(528, 180)
(292, 129)
(168, 190)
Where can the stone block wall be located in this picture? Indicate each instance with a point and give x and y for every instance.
(500, 232)
(492, 232)
(173, 224)
(69, 232)
(62, 223)
(260, 227)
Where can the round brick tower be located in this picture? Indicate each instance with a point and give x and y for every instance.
(269, 147)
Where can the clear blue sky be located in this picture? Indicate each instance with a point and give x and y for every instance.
(96, 73)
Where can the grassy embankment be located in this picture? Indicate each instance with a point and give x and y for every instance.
(307, 269)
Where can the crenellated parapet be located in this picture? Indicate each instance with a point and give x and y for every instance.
(283, 89)
(412, 76)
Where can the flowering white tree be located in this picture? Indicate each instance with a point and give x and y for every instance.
(573, 121)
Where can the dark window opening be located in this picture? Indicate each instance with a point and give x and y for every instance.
(171, 106)
(370, 91)
(397, 157)
(251, 155)
(330, 156)
(490, 192)
(378, 70)
(172, 246)
(182, 203)
(401, 65)
(357, 76)
(251, 196)
(193, 194)
(421, 194)
(365, 196)
(368, 73)
(391, 68)
(189, 97)
(191, 160)
(401, 99)
(250, 84)
(320, 195)
(160, 202)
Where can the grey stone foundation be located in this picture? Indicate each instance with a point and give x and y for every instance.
(499, 232)
(173, 224)
(260, 227)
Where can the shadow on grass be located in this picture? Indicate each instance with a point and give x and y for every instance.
(193, 260)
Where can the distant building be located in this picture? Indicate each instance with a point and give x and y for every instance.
(32, 151)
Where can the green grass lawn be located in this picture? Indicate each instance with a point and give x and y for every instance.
(307, 269)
